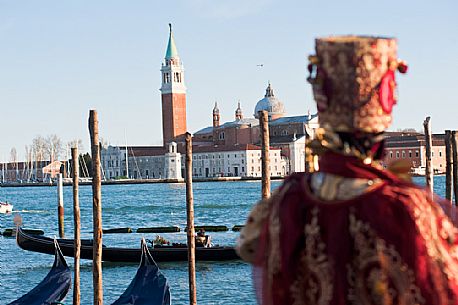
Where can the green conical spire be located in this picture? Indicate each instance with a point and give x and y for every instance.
(171, 47)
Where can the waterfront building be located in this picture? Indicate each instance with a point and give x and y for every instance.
(156, 162)
(31, 171)
(411, 146)
(172, 163)
(113, 162)
(288, 133)
(144, 162)
(238, 139)
(235, 161)
(292, 146)
(149, 162)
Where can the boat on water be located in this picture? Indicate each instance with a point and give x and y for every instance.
(165, 253)
(149, 286)
(54, 287)
(5, 207)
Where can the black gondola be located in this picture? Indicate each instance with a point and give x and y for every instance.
(114, 254)
(54, 287)
(149, 286)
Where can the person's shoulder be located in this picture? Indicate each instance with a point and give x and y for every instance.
(292, 183)
(294, 177)
(411, 196)
(404, 191)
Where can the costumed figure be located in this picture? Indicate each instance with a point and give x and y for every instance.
(350, 231)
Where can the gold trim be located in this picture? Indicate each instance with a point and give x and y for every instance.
(377, 275)
(314, 282)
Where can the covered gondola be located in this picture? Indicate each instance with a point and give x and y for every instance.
(149, 286)
(116, 254)
(54, 287)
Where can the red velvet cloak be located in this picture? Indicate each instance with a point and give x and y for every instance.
(390, 245)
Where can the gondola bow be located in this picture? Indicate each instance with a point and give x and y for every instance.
(54, 287)
(149, 286)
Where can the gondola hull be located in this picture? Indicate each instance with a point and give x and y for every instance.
(127, 255)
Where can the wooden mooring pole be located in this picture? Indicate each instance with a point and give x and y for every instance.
(429, 169)
(265, 161)
(60, 204)
(190, 223)
(455, 165)
(448, 165)
(77, 227)
(96, 208)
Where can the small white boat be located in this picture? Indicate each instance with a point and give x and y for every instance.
(5, 207)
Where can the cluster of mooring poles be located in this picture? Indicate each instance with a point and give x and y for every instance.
(451, 164)
(451, 153)
(97, 208)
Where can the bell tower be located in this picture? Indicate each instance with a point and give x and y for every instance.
(238, 113)
(216, 116)
(173, 91)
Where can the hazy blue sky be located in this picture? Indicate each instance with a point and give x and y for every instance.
(58, 59)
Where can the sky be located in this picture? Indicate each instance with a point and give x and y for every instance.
(59, 59)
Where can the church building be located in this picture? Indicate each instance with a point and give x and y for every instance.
(220, 150)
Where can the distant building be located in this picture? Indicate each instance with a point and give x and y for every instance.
(288, 133)
(235, 161)
(411, 146)
(32, 171)
(220, 150)
(292, 147)
(144, 162)
(173, 94)
(113, 162)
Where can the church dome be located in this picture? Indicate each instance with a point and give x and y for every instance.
(271, 104)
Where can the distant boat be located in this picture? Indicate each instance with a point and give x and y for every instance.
(5, 207)
(54, 287)
(172, 253)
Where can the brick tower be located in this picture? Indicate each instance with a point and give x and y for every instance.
(173, 92)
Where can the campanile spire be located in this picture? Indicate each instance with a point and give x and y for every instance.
(172, 51)
(173, 92)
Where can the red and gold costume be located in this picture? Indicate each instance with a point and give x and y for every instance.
(352, 232)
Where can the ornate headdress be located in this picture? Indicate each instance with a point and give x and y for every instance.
(353, 82)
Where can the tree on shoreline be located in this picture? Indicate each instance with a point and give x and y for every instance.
(49, 148)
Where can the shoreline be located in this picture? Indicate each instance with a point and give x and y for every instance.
(138, 181)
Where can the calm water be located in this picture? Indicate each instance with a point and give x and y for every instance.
(134, 206)
(143, 205)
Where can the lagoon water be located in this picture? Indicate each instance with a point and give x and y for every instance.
(140, 205)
